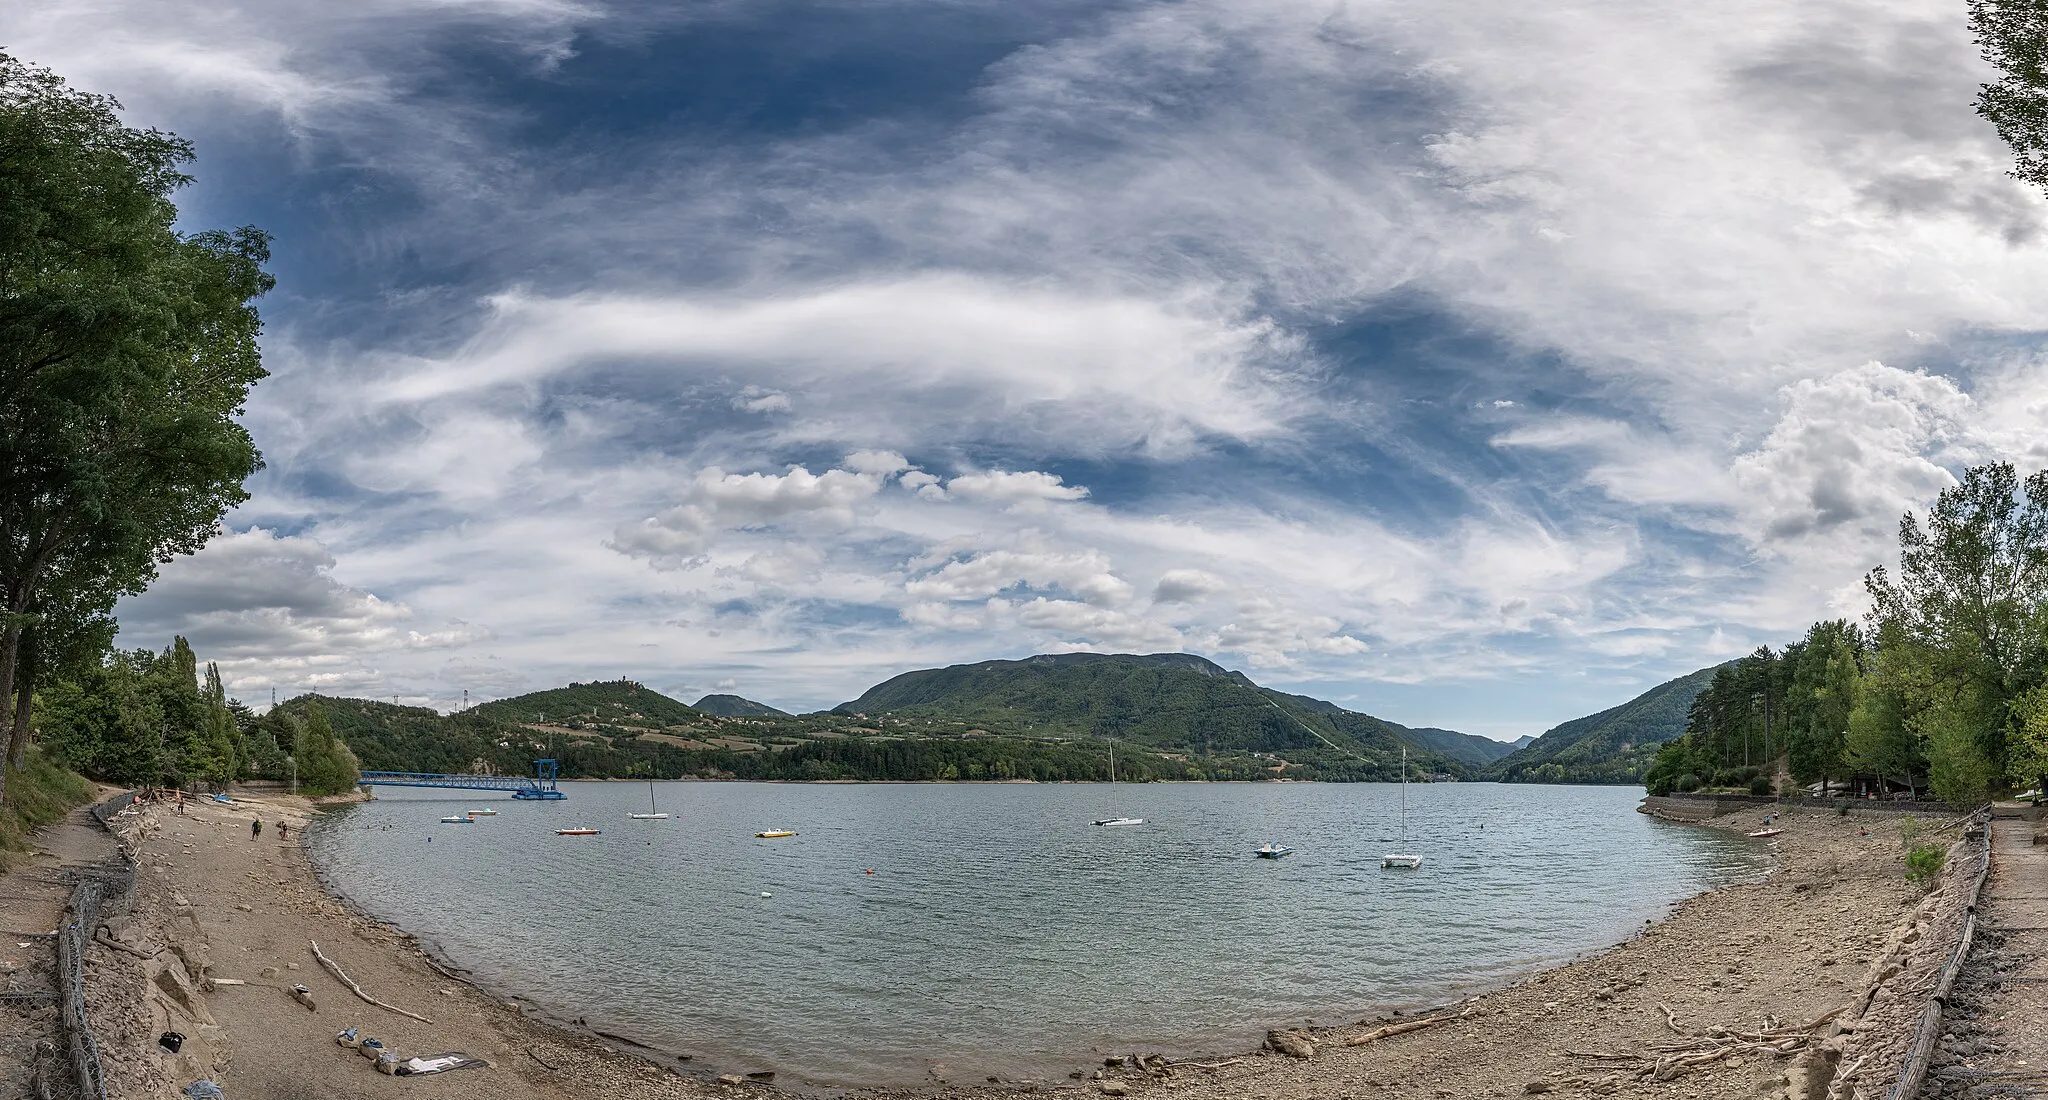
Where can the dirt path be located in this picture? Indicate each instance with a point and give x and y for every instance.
(32, 899)
(1818, 963)
(1992, 1042)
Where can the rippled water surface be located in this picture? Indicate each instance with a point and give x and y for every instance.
(999, 932)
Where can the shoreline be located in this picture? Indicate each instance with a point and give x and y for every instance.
(538, 1053)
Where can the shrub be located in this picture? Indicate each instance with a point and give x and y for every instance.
(39, 793)
(1761, 785)
(1923, 863)
(1688, 782)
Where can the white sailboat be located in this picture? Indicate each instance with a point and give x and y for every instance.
(650, 815)
(1112, 791)
(1402, 861)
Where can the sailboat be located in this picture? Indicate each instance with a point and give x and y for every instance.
(1112, 792)
(1402, 861)
(650, 815)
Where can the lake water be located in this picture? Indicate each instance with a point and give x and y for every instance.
(1000, 933)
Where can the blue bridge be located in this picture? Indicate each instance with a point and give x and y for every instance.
(541, 785)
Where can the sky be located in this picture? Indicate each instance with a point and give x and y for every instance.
(1475, 365)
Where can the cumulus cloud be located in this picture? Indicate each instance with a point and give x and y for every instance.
(1027, 490)
(1854, 449)
(1185, 586)
(1086, 574)
(717, 501)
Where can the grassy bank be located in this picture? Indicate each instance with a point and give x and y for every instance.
(38, 793)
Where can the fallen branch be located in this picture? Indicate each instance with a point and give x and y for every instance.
(1671, 1019)
(104, 940)
(1206, 1065)
(335, 969)
(543, 1061)
(1403, 1029)
(1603, 1056)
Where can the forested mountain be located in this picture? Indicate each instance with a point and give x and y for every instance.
(733, 706)
(1174, 701)
(1613, 746)
(614, 701)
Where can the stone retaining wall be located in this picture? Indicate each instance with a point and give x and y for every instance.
(1701, 807)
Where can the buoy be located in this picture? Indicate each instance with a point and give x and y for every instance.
(871, 870)
(766, 894)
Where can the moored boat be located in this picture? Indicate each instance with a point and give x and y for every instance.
(1766, 834)
(648, 817)
(1119, 821)
(771, 834)
(483, 813)
(1273, 851)
(1402, 861)
(575, 832)
(459, 819)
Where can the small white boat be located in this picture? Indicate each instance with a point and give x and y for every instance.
(483, 813)
(1402, 861)
(771, 834)
(1115, 821)
(652, 814)
(1766, 834)
(575, 832)
(1273, 851)
(459, 819)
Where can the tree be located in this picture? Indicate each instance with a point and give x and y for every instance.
(326, 766)
(127, 349)
(2013, 35)
(1967, 605)
(1820, 699)
(1881, 738)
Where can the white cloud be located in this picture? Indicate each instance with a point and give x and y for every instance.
(1085, 574)
(1028, 490)
(717, 501)
(1185, 586)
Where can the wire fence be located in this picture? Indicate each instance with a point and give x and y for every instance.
(96, 892)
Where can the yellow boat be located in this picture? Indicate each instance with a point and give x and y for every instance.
(773, 833)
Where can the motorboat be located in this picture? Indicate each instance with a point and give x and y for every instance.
(771, 834)
(1273, 851)
(648, 817)
(458, 819)
(483, 813)
(576, 832)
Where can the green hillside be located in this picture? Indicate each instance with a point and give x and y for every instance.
(611, 702)
(1613, 746)
(1170, 701)
(733, 706)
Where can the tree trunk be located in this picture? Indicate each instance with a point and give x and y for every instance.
(10, 647)
(24, 703)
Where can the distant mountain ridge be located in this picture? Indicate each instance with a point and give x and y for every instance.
(1168, 701)
(1614, 746)
(734, 706)
(622, 701)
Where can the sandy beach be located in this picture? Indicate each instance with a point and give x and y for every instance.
(1804, 984)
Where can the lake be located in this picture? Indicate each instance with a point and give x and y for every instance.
(971, 930)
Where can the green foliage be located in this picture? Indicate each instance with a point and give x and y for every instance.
(1619, 745)
(39, 792)
(2013, 35)
(325, 765)
(127, 349)
(622, 702)
(1967, 607)
(2026, 751)
(1923, 863)
(1761, 785)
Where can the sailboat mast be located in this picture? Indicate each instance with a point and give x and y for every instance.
(1112, 763)
(1404, 798)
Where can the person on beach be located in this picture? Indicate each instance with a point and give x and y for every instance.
(255, 828)
(284, 830)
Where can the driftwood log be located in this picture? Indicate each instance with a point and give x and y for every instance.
(1402, 1028)
(334, 968)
